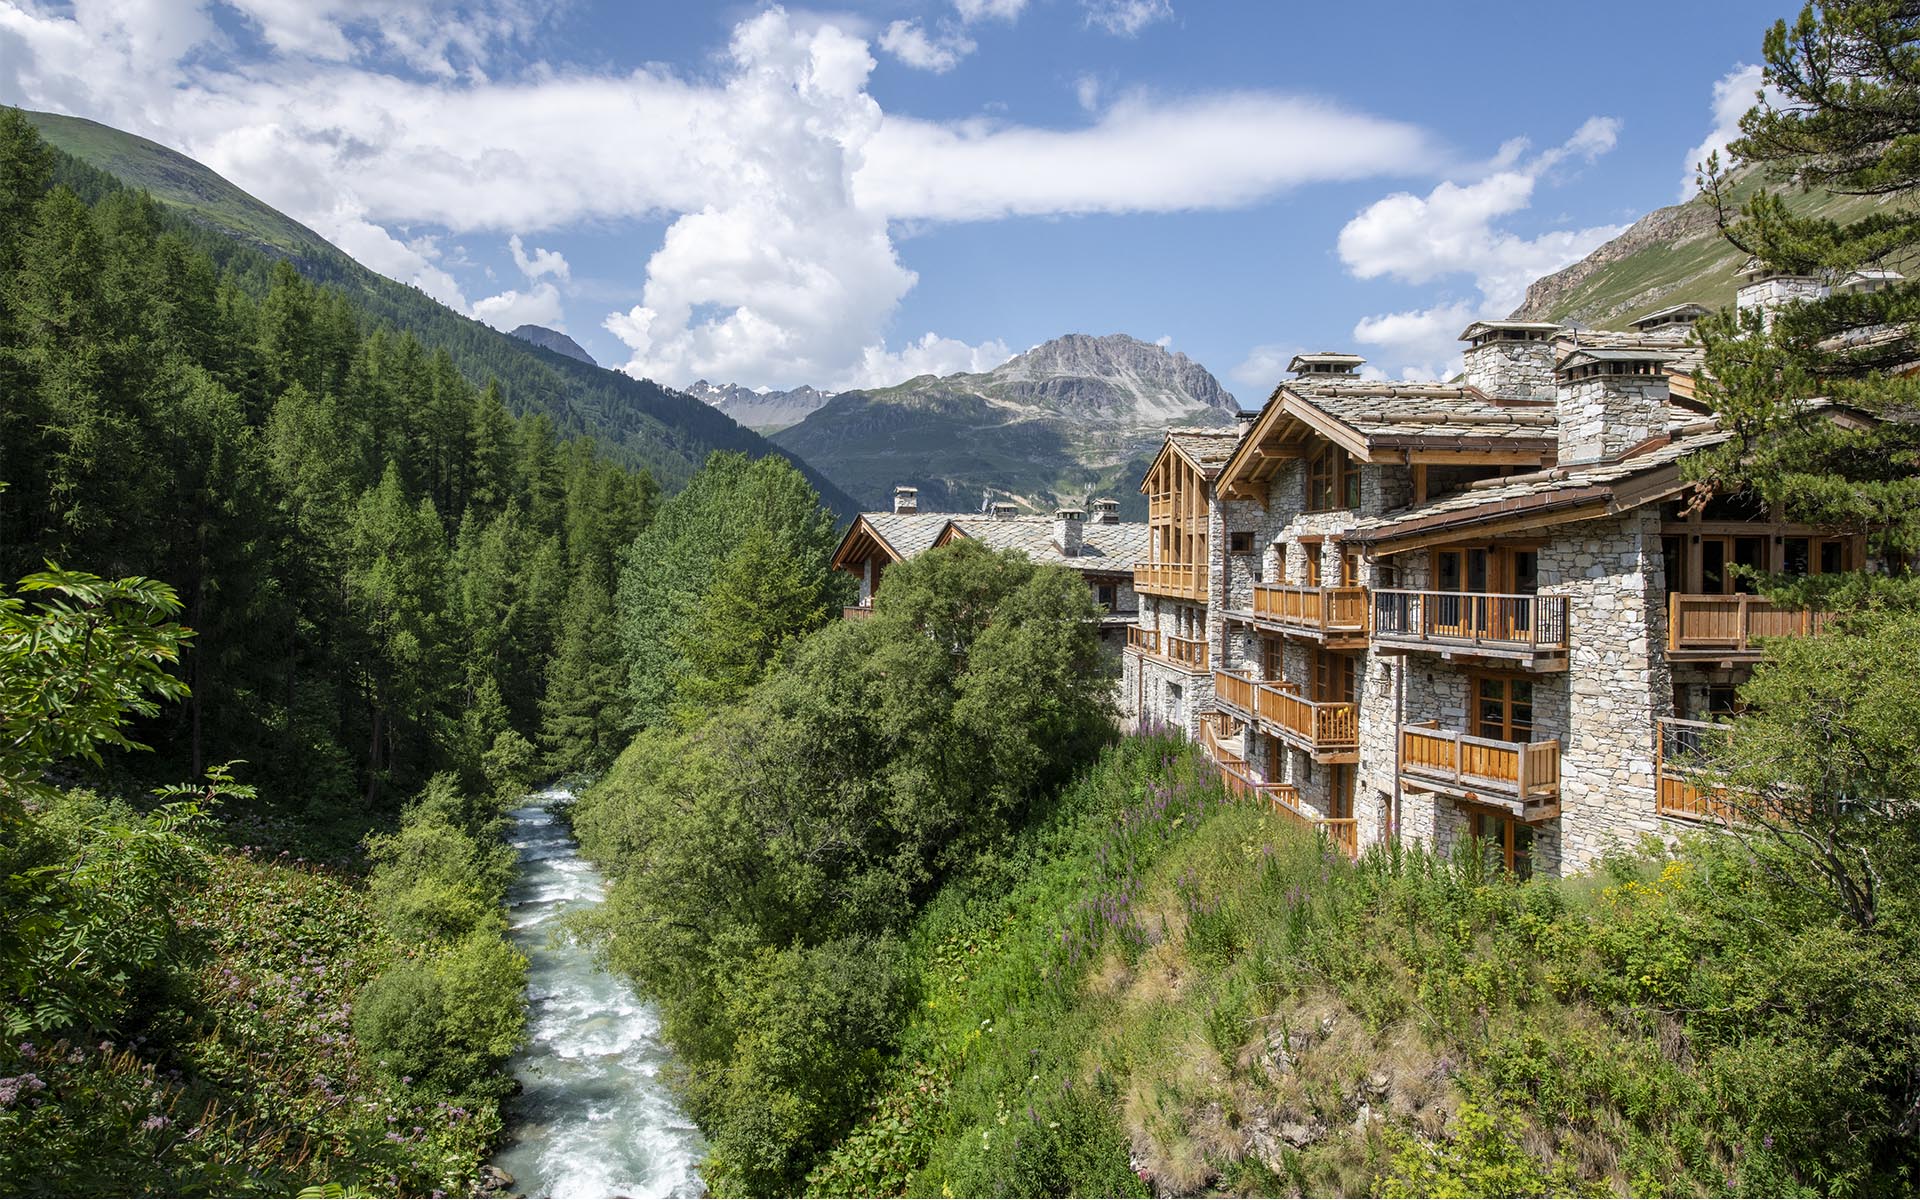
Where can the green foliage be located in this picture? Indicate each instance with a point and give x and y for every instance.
(448, 1022)
(1482, 1156)
(73, 666)
(748, 538)
(765, 856)
(1843, 70)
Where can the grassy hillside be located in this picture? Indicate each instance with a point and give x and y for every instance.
(642, 423)
(1671, 256)
(1168, 991)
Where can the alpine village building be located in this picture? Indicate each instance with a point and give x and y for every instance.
(1489, 607)
(1102, 550)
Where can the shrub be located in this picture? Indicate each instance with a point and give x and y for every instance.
(448, 1022)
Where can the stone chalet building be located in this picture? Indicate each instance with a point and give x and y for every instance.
(1102, 550)
(1429, 610)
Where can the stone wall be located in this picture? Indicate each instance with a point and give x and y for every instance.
(1603, 416)
(1511, 370)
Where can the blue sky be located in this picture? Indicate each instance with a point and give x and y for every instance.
(851, 196)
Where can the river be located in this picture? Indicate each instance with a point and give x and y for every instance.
(595, 1117)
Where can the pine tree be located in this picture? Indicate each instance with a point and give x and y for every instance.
(1849, 74)
(581, 728)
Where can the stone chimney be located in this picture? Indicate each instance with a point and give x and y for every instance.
(1609, 402)
(1068, 525)
(906, 499)
(1671, 324)
(1769, 291)
(1326, 363)
(1106, 512)
(1003, 510)
(1510, 360)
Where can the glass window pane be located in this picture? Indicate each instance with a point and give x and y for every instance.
(1833, 557)
(1713, 566)
(1795, 557)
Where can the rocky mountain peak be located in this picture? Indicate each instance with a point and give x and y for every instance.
(554, 340)
(1115, 378)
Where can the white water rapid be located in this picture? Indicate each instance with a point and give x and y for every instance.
(594, 1118)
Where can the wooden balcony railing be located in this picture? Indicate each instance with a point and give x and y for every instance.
(1677, 788)
(1724, 627)
(856, 612)
(1478, 620)
(1284, 798)
(1524, 775)
(1188, 580)
(1323, 728)
(1320, 610)
(1188, 652)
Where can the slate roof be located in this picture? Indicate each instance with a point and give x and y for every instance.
(907, 533)
(1382, 410)
(1544, 491)
(1209, 449)
(1104, 548)
(1681, 356)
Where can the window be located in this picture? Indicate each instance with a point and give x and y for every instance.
(1333, 481)
(1240, 542)
(1271, 658)
(1106, 595)
(1340, 791)
(1334, 681)
(1503, 708)
(1350, 569)
(1313, 566)
(1511, 841)
(1723, 700)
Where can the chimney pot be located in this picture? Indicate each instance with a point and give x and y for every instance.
(1106, 512)
(1004, 510)
(1069, 526)
(906, 499)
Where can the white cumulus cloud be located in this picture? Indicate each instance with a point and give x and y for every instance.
(540, 262)
(999, 10)
(915, 47)
(538, 305)
(1733, 94)
(1453, 232)
(930, 355)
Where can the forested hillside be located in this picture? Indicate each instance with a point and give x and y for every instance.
(640, 423)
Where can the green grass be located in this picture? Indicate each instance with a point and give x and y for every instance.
(1166, 990)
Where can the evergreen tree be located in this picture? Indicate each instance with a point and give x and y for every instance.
(581, 713)
(1848, 72)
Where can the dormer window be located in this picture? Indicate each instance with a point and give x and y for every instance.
(1333, 480)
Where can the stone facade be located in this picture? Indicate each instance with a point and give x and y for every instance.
(1511, 369)
(1774, 292)
(1604, 416)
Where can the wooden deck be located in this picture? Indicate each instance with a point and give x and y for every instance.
(1678, 790)
(856, 612)
(1334, 615)
(1727, 628)
(1189, 654)
(1185, 581)
(1523, 777)
(1530, 629)
(1328, 731)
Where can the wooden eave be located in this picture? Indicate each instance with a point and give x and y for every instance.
(1512, 515)
(948, 533)
(859, 535)
(1169, 446)
(1277, 436)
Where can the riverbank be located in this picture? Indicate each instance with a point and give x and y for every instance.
(594, 1115)
(243, 1057)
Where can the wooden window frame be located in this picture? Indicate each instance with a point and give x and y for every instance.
(1333, 480)
(1507, 680)
(1515, 838)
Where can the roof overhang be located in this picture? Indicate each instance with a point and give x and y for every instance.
(1514, 514)
(860, 543)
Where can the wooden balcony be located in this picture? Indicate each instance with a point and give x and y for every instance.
(1334, 615)
(1329, 731)
(1725, 628)
(1529, 629)
(857, 612)
(1677, 790)
(1186, 581)
(1189, 654)
(1521, 777)
(1282, 798)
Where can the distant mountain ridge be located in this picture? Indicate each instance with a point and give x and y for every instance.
(764, 412)
(1673, 255)
(1071, 417)
(554, 340)
(639, 422)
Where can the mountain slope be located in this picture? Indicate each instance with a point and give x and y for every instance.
(554, 340)
(640, 422)
(1073, 416)
(1670, 256)
(763, 412)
